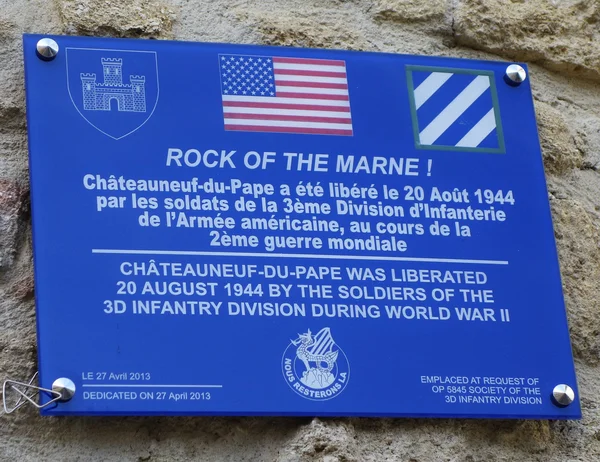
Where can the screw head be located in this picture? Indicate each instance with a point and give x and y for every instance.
(515, 75)
(46, 49)
(65, 387)
(563, 395)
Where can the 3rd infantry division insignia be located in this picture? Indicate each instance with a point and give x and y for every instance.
(454, 109)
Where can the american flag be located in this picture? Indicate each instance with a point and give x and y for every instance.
(285, 95)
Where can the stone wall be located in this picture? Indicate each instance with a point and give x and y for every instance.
(561, 41)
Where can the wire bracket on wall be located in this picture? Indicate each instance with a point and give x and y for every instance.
(27, 393)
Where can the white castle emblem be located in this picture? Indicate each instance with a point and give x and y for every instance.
(315, 367)
(129, 97)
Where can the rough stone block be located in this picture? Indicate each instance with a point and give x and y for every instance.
(309, 27)
(13, 204)
(562, 36)
(578, 241)
(327, 441)
(408, 11)
(558, 145)
(133, 18)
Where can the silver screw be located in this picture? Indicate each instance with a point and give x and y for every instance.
(515, 75)
(563, 395)
(65, 387)
(46, 49)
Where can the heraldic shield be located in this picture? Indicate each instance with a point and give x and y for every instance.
(115, 91)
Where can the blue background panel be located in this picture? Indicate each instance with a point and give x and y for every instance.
(244, 347)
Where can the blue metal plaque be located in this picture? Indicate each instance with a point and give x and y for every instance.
(230, 229)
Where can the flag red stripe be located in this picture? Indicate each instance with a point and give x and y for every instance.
(286, 83)
(308, 107)
(285, 94)
(309, 73)
(318, 131)
(324, 62)
(295, 118)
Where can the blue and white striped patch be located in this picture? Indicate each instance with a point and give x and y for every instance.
(455, 109)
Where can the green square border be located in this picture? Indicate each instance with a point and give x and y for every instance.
(413, 110)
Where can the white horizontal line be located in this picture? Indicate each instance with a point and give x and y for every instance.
(298, 255)
(279, 100)
(309, 67)
(121, 385)
(309, 78)
(293, 112)
(321, 91)
(288, 123)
